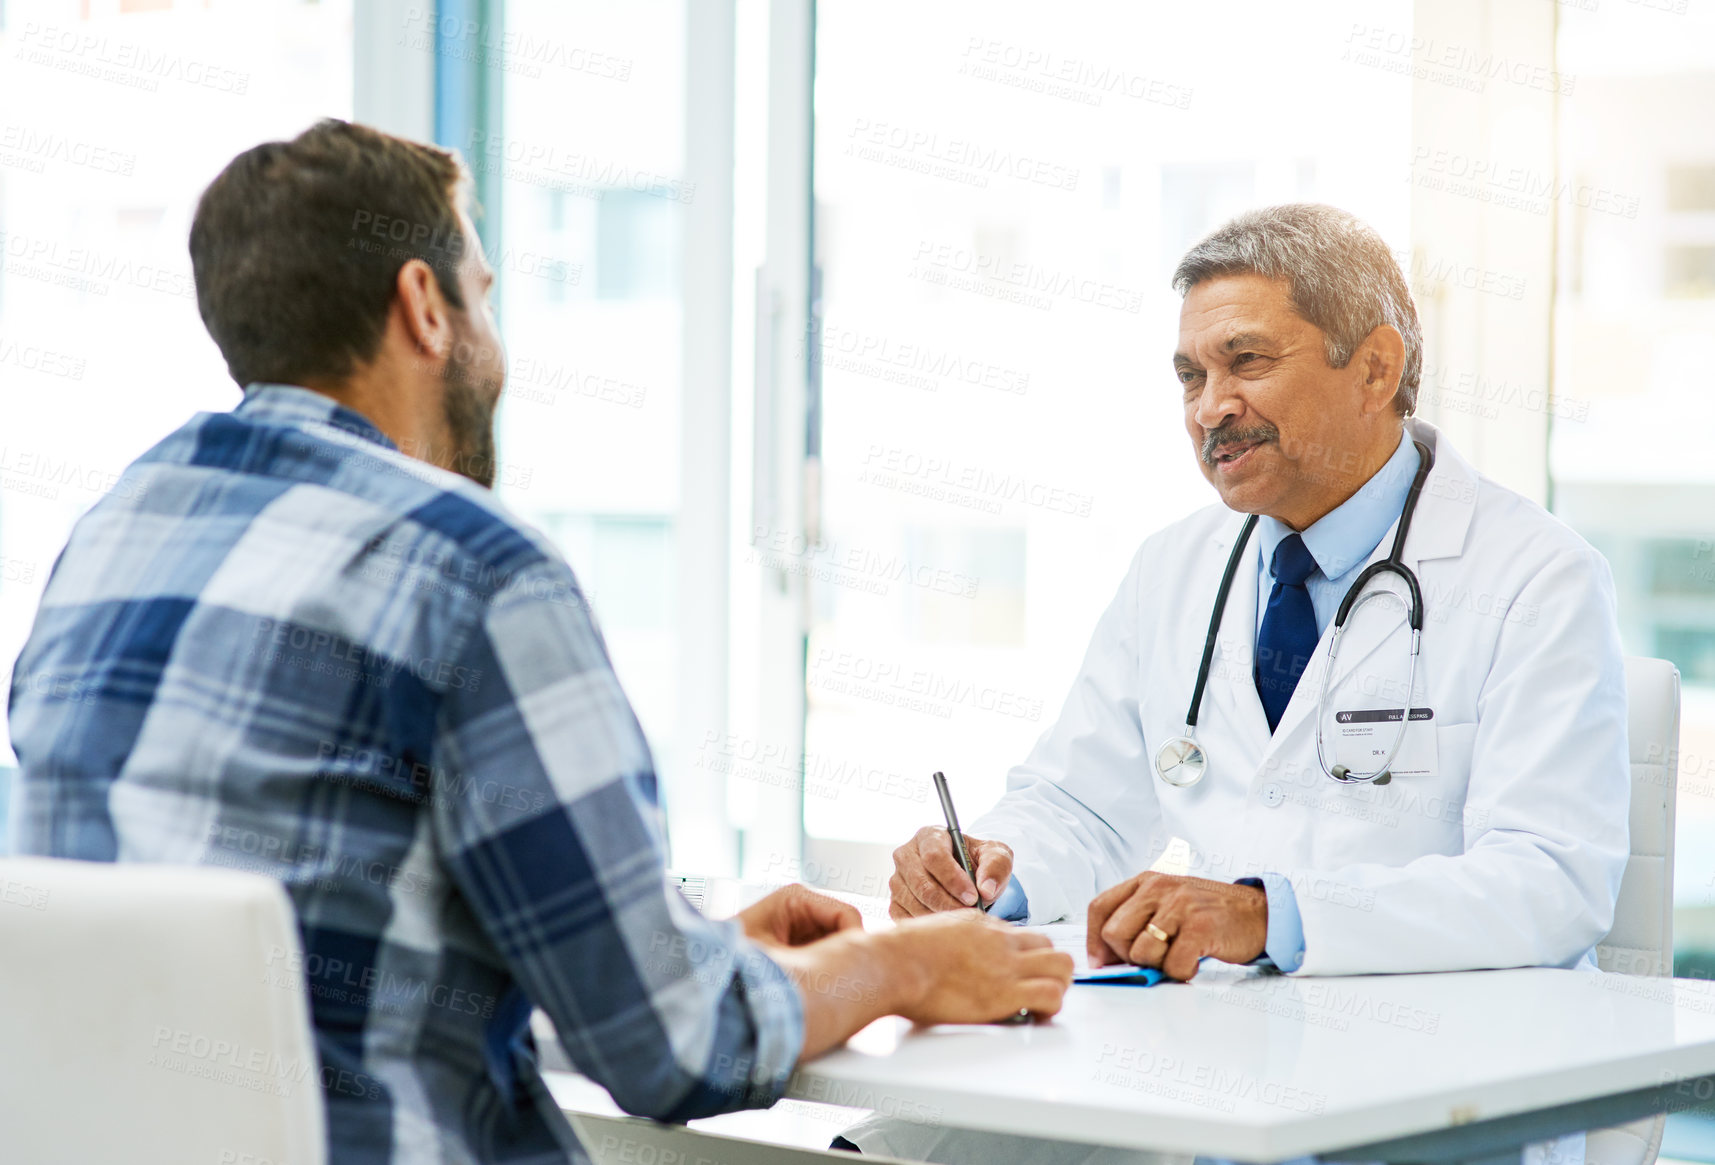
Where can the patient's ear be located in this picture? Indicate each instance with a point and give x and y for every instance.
(423, 309)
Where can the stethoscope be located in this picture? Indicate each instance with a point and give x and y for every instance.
(1181, 761)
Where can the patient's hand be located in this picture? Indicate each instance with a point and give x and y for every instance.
(1199, 916)
(795, 915)
(955, 967)
(966, 968)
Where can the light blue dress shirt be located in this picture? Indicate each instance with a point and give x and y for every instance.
(1341, 541)
(1012, 904)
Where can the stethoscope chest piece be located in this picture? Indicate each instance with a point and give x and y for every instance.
(1180, 762)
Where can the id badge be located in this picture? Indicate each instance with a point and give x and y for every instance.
(1362, 737)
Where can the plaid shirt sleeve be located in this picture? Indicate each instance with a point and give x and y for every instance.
(545, 816)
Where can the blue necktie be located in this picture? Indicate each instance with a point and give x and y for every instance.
(1288, 636)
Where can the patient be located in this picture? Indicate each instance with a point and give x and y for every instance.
(304, 638)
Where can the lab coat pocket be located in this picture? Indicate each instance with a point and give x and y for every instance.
(1418, 811)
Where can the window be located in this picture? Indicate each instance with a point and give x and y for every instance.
(995, 228)
(1682, 568)
(974, 592)
(637, 245)
(1635, 308)
(1691, 188)
(1690, 271)
(1196, 195)
(1692, 647)
(1688, 227)
(590, 160)
(626, 567)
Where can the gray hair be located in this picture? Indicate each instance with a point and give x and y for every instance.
(1340, 275)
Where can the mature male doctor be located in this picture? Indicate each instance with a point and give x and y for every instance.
(1494, 831)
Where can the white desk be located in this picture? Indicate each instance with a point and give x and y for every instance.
(1263, 1068)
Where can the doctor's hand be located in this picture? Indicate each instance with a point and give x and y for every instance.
(927, 878)
(1200, 917)
(795, 915)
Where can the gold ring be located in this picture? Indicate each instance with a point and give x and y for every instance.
(1157, 932)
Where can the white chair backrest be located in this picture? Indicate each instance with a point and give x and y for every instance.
(1641, 940)
(153, 1014)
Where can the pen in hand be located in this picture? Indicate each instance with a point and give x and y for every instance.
(964, 859)
(959, 851)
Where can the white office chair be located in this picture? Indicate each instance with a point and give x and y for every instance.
(1641, 939)
(153, 1015)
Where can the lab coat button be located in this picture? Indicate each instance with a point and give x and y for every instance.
(1272, 795)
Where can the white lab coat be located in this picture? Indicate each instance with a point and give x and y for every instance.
(1508, 854)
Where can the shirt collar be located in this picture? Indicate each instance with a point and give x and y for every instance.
(1347, 534)
(291, 403)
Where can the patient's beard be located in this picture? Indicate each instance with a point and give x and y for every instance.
(469, 401)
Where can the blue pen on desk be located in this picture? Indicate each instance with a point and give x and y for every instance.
(959, 851)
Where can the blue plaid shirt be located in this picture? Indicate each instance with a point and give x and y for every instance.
(281, 645)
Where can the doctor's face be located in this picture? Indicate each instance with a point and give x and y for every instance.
(1277, 430)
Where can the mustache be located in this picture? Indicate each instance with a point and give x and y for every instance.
(1216, 439)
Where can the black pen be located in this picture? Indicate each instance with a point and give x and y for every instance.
(959, 850)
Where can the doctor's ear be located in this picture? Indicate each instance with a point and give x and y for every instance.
(1379, 361)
